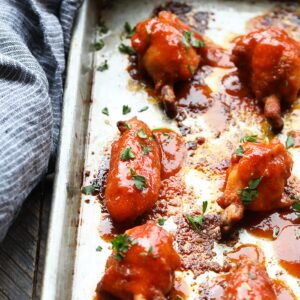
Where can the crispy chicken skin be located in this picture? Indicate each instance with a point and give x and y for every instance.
(249, 280)
(270, 61)
(159, 43)
(133, 182)
(147, 268)
(261, 173)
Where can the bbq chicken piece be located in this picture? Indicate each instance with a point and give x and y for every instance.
(255, 179)
(166, 49)
(142, 264)
(133, 180)
(249, 280)
(270, 61)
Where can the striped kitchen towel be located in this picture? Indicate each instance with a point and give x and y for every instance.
(34, 41)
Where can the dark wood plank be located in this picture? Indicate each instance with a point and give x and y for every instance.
(23, 250)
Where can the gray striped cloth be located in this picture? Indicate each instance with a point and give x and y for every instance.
(34, 41)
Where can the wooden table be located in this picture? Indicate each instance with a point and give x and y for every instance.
(22, 252)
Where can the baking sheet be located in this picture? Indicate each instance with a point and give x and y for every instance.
(115, 88)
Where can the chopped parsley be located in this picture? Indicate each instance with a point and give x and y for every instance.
(197, 221)
(297, 233)
(251, 275)
(127, 154)
(250, 192)
(189, 39)
(99, 249)
(246, 286)
(138, 180)
(275, 232)
(239, 151)
(102, 27)
(296, 208)
(290, 142)
(161, 221)
(143, 108)
(126, 49)
(146, 149)
(103, 66)
(186, 39)
(129, 30)
(90, 189)
(126, 109)
(286, 83)
(121, 244)
(249, 138)
(99, 45)
(190, 69)
(141, 133)
(127, 125)
(105, 111)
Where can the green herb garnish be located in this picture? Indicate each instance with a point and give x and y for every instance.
(250, 192)
(127, 154)
(127, 125)
(297, 233)
(99, 45)
(121, 244)
(251, 275)
(249, 138)
(143, 108)
(296, 208)
(103, 66)
(138, 180)
(290, 142)
(126, 49)
(90, 189)
(146, 149)
(105, 111)
(99, 249)
(102, 27)
(161, 221)
(141, 133)
(129, 30)
(126, 109)
(189, 39)
(239, 151)
(186, 39)
(197, 221)
(275, 232)
(191, 70)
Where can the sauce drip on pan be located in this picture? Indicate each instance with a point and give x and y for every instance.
(249, 250)
(173, 151)
(287, 247)
(269, 225)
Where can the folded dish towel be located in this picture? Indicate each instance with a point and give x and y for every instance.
(34, 41)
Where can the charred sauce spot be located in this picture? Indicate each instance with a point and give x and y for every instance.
(196, 249)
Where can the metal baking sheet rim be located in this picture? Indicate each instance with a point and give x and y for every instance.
(64, 218)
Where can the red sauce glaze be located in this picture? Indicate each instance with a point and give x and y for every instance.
(173, 151)
(249, 281)
(282, 291)
(262, 225)
(142, 272)
(234, 85)
(161, 50)
(270, 60)
(124, 201)
(219, 284)
(287, 247)
(249, 250)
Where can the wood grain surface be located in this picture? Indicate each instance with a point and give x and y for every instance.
(23, 250)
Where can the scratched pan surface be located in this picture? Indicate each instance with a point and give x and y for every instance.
(115, 88)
